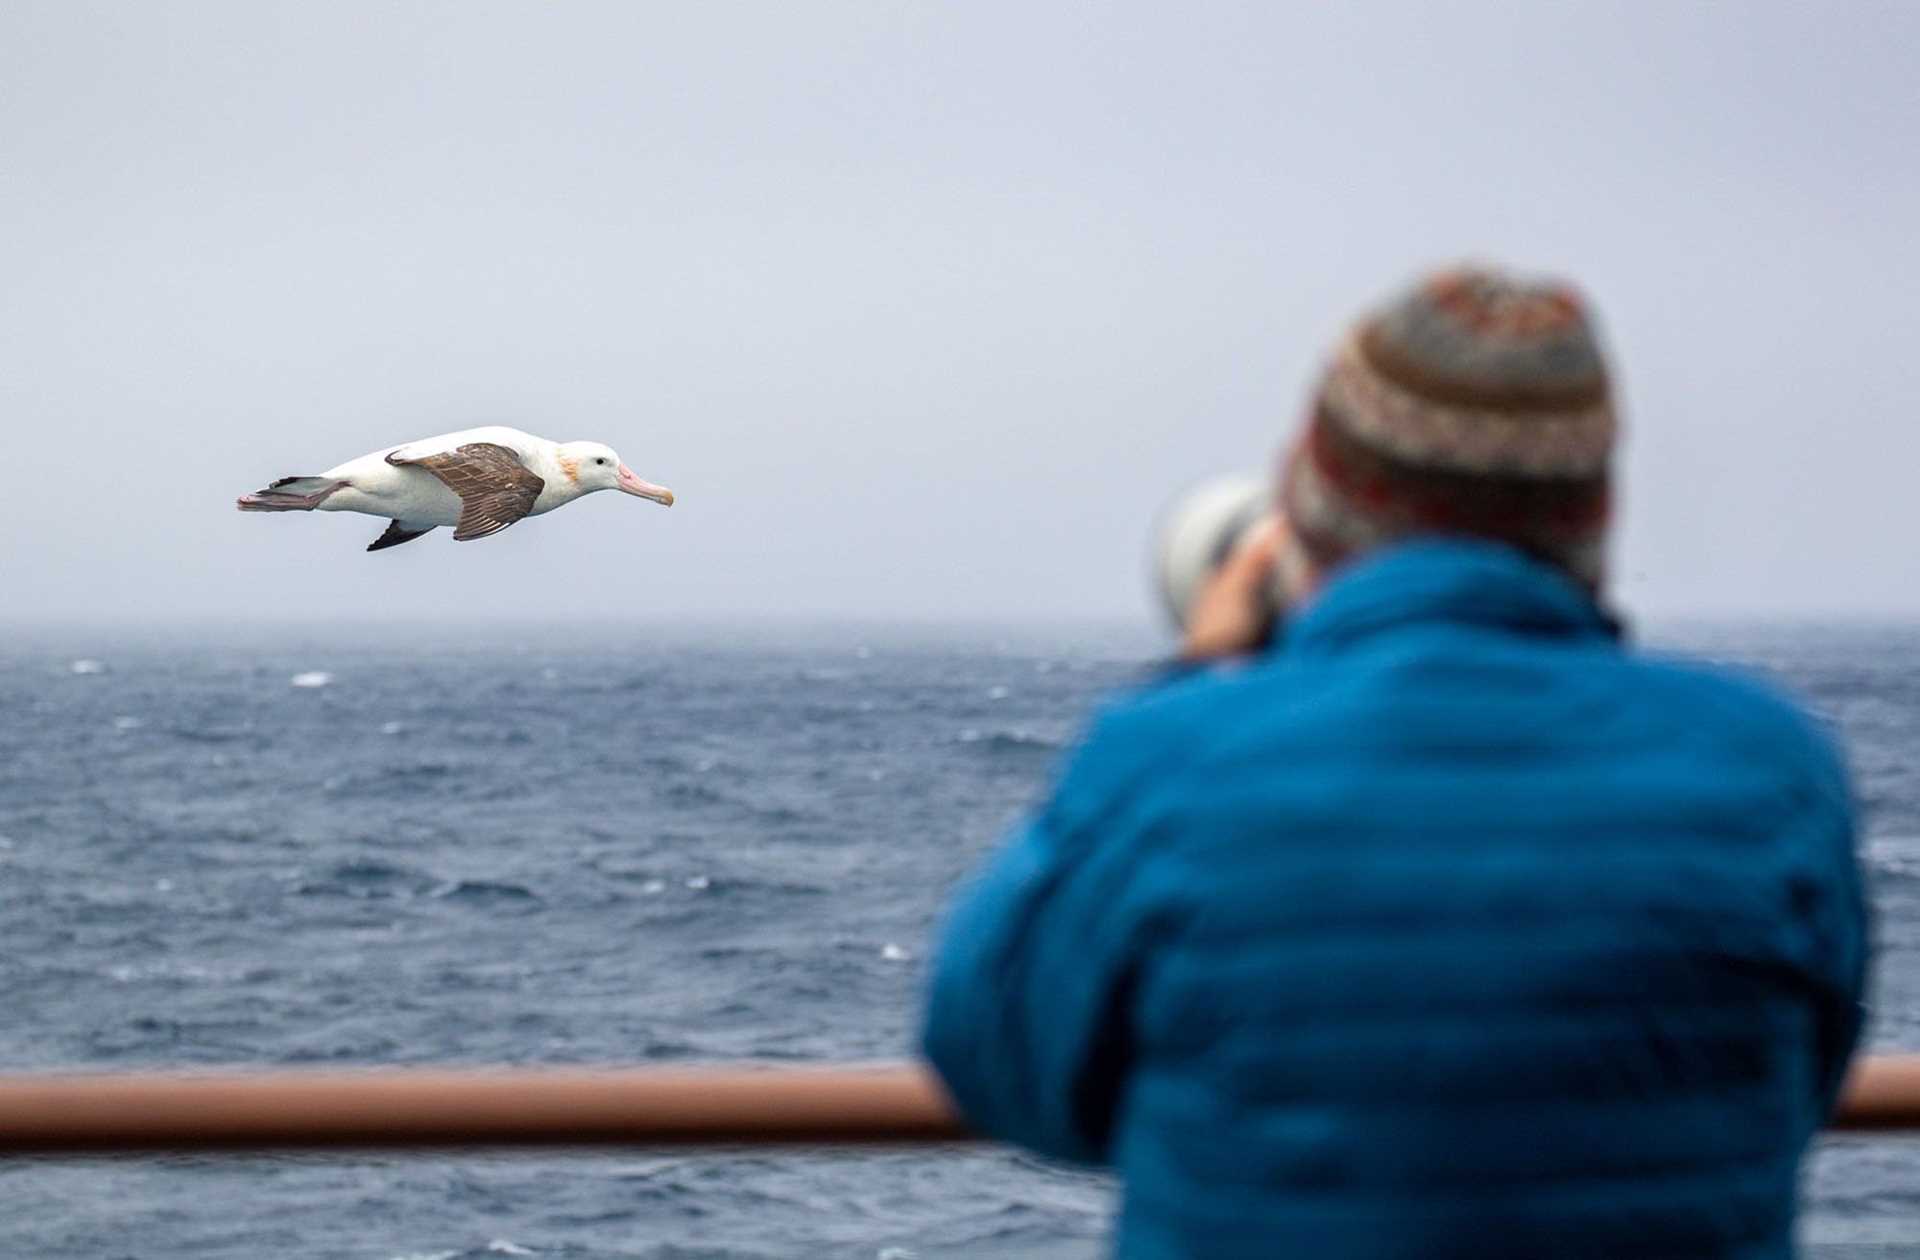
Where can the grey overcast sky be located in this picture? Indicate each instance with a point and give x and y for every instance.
(923, 309)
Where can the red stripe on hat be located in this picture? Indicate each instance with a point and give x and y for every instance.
(1413, 498)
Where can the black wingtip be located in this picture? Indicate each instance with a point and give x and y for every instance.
(394, 536)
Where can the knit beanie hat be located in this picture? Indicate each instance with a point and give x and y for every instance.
(1475, 404)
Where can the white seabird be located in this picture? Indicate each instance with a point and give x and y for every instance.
(477, 480)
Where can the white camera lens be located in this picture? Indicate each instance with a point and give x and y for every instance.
(1200, 530)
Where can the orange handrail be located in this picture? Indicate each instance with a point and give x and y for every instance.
(415, 1108)
(410, 1107)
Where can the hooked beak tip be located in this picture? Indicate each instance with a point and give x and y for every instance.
(630, 484)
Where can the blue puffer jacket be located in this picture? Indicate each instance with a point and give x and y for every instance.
(1445, 929)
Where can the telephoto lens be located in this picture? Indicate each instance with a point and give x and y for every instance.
(1200, 530)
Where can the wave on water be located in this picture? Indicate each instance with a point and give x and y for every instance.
(1014, 739)
(240, 732)
(483, 892)
(417, 782)
(365, 879)
(1897, 857)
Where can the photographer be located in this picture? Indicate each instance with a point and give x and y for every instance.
(1445, 924)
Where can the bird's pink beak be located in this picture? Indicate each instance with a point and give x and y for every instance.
(630, 484)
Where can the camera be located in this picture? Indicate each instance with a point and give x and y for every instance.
(1199, 530)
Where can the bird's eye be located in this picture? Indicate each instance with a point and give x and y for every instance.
(599, 461)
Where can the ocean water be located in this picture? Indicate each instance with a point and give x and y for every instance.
(348, 848)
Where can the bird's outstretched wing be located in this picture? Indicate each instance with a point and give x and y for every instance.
(495, 488)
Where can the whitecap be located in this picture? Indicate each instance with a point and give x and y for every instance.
(392, 728)
(653, 887)
(125, 723)
(894, 953)
(505, 1248)
(1894, 855)
(998, 693)
(312, 678)
(699, 882)
(86, 665)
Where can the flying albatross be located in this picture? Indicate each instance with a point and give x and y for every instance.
(477, 480)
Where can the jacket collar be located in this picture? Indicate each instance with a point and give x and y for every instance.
(1455, 581)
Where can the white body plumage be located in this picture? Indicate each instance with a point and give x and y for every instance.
(418, 499)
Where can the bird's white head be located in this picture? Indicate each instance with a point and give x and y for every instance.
(593, 466)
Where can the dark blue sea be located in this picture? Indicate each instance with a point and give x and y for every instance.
(345, 847)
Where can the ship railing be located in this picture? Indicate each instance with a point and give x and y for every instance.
(715, 1105)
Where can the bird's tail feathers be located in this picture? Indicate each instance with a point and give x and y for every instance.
(290, 494)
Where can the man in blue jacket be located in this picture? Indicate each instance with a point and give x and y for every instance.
(1445, 926)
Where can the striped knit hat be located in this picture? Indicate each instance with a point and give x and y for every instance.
(1475, 404)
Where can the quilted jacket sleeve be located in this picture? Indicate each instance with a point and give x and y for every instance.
(1837, 915)
(1027, 1019)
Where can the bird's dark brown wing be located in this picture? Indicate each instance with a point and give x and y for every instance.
(495, 488)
